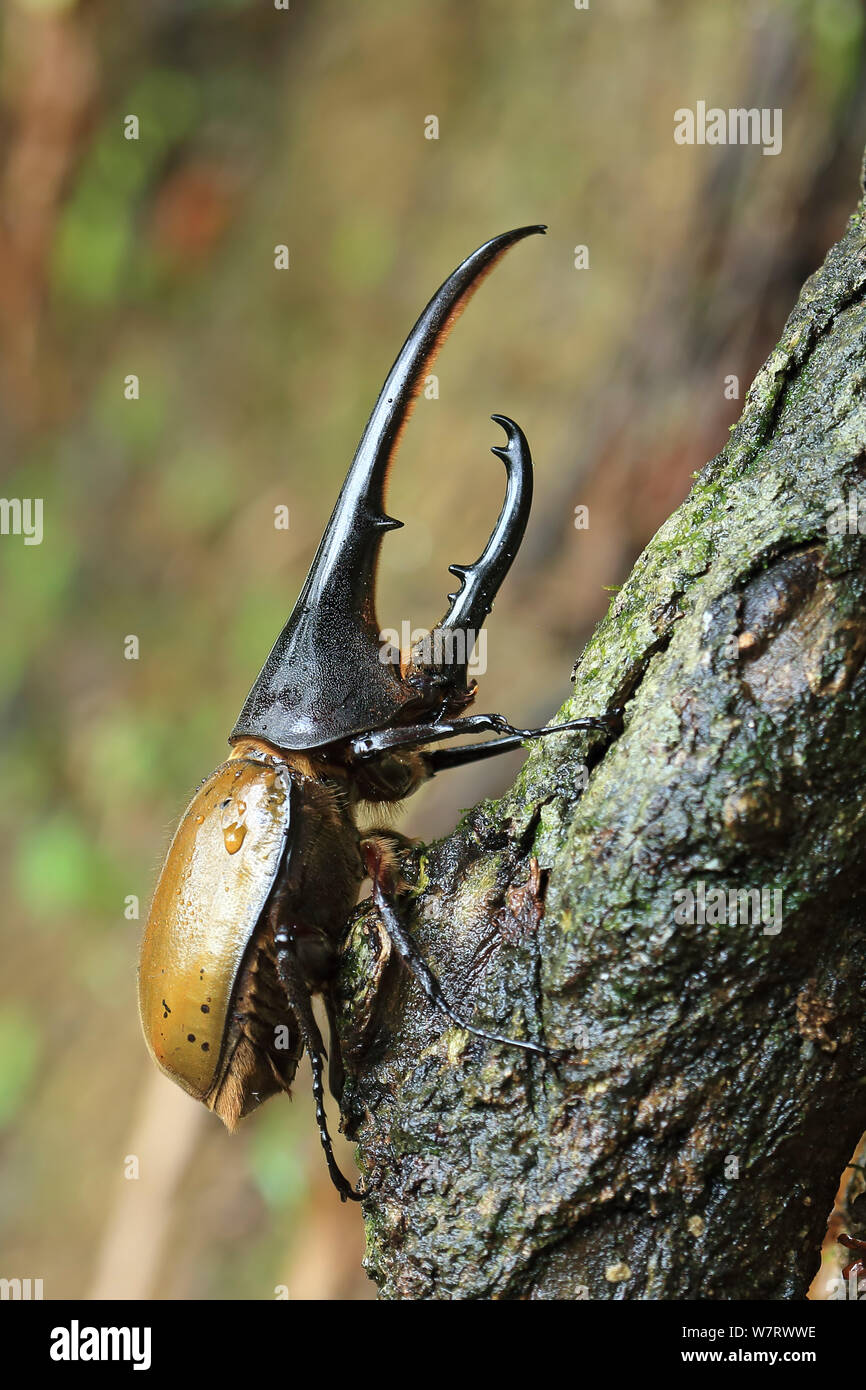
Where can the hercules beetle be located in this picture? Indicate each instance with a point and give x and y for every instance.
(265, 867)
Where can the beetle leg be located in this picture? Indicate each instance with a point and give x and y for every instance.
(412, 958)
(298, 995)
(418, 735)
(383, 849)
(395, 839)
(474, 752)
(336, 1070)
(445, 758)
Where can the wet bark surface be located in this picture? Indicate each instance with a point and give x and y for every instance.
(710, 1083)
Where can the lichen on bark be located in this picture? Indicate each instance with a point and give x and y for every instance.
(709, 1084)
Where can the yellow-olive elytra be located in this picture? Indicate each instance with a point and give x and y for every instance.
(218, 876)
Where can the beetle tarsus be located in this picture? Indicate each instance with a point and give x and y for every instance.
(298, 998)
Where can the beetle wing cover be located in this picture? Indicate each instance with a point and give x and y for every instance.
(218, 873)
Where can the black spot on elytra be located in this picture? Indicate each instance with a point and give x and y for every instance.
(205, 1047)
(205, 1008)
(167, 1009)
(190, 1037)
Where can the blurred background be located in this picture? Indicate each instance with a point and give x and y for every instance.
(154, 257)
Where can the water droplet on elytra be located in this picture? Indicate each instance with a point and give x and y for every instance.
(233, 836)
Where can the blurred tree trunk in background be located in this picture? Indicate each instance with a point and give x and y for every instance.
(689, 1142)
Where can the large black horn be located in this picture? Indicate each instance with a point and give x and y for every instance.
(325, 679)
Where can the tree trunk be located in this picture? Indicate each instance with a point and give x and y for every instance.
(712, 1084)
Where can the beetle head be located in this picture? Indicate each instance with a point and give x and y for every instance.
(327, 677)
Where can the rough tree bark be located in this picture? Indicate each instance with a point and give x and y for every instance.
(689, 1142)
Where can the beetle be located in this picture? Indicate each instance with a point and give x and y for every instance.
(267, 862)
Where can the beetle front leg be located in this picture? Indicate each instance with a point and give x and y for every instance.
(419, 735)
(383, 893)
(336, 1070)
(300, 1002)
